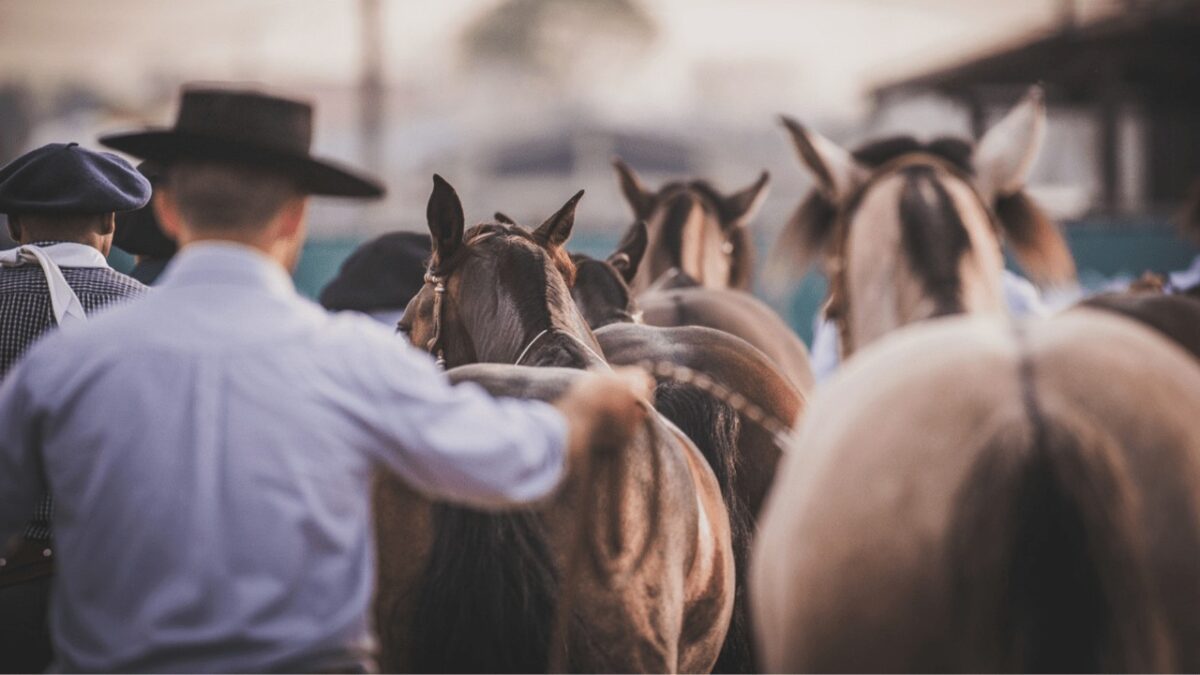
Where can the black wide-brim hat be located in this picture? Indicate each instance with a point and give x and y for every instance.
(252, 128)
(138, 232)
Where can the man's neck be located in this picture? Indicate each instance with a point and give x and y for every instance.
(275, 249)
(101, 244)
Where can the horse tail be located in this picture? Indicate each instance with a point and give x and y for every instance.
(714, 426)
(487, 599)
(1048, 561)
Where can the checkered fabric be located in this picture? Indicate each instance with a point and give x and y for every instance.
(25, 313)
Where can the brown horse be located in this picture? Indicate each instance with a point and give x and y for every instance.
(911, 231)
(972, 495)
(694, 227)
(1177, 316)
(628, 567)
(604, 297)
(677, 300)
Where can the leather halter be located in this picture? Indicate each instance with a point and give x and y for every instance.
(837, 307)
(439, 293)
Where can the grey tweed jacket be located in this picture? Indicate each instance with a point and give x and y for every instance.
(26, 313)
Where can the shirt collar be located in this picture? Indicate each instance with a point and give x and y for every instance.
(226, 262)
(71, 254)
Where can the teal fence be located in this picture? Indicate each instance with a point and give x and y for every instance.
(1102, 253)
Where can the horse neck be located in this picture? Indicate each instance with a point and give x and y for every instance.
(566, 342)
(917, 246)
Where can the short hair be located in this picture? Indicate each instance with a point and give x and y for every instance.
(224, 196)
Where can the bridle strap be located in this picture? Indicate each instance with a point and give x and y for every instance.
(439, 292)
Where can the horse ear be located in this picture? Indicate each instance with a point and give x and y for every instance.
(503, 218)
(741, 206)
(835, 170)
(629, 252)
(557, 229)
(445, 217)
(1003, 157)
(640, 199)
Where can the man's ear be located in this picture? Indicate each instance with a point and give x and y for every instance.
(14, 228)
(556, 230)
(291, 217)
(630, 251)
(834, 170)
(444, 215)
(110, 224)
(167, 213)
(640, 199)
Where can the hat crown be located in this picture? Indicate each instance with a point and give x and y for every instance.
(249, 117)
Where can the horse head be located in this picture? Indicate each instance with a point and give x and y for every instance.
(496, 291)
(910, 231)
(694, 227)
(601, 288)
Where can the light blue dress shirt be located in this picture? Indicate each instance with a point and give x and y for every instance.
(209, 448)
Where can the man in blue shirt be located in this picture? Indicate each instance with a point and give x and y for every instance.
(210, 445)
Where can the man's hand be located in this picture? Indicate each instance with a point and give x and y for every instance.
(604, 410)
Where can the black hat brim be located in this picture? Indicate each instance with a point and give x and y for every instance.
(313, 175)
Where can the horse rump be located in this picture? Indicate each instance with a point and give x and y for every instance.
(1049, 569)
(714, 427)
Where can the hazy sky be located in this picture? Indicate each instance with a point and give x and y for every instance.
(831, 50)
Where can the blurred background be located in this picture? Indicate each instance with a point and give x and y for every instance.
(519, 103)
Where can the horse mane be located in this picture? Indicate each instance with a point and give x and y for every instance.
(1048, 563)
(558, 255)
(1031, 232)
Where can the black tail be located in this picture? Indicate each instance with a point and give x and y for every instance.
(714, 427)
(1049, 565)
(487, 600)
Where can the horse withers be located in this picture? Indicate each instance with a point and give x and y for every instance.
(973, 495)
(628, 567)
(909, 231)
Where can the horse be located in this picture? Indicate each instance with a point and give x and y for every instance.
(627, 567)
(694, 227)
(910, 231)
(1176, 316)
(975, 495)
(603, 296)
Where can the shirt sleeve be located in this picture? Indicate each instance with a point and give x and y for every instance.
(457, 442)
(21, 478)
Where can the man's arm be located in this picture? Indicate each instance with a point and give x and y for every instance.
(21, 478)
(460, 443)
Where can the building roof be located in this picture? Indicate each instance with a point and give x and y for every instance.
(1149, 50)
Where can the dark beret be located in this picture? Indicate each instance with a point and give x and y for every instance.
(384, 273)
(138, 231)
(67, 178)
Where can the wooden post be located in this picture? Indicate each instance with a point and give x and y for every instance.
(371, 84)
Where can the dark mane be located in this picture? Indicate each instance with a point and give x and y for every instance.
(561, 260)
(955, 151)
